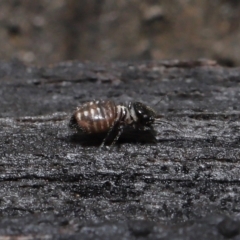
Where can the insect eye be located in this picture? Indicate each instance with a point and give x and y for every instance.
(144, 113)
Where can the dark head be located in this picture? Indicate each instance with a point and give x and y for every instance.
(144, 114)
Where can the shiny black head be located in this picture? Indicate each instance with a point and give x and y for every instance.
(144, 114)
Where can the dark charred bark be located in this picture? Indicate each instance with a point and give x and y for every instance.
(57, 185)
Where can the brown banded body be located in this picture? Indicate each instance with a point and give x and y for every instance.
(94, 117)
(105, 117)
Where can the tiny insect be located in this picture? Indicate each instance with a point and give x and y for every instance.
(103, 116)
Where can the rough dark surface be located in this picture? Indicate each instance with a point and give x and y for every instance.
(184, 186)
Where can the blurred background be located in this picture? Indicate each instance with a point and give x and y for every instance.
(45, 32)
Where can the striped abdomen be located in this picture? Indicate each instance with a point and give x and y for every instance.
(94, 117)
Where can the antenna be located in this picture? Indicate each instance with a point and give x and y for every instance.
(158, 121)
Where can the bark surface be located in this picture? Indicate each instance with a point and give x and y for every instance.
(55, 184)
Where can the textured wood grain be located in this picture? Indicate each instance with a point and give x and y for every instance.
(56, 185)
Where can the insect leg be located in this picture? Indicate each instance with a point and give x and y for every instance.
(108, 134)
(148, 132)
(120, 130)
